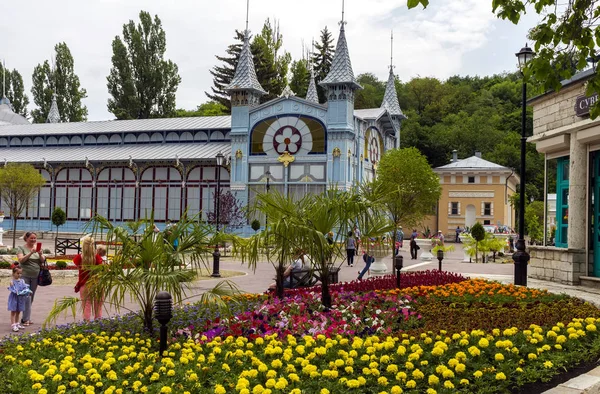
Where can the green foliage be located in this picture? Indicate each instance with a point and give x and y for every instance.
(478, 232)
(406, 186)
(18, 185)
(322, 58)
(15, 91)
(142, 84)
(59, 217)
(300, 77)
(371, 95)
(223, 74)
(61, 265)
(61, 81)
(255, 225)
(146, 264)
(210, 108)
(4, 264)
(271, 63)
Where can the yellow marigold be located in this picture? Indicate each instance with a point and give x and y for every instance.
(464, 382)
(532, 356)
(431, 391)
(411, 384)
(460, 368)
(448, 374)
(500, 376)
(478, 374)
(448, 384)
(401, 376)
(499, 357)
(483, 343)
(548, 364)
(474, 351)
(324, 391)
(417, 374)
(433, 380)
(590, 327)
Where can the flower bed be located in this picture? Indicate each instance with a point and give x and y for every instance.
(468, 336)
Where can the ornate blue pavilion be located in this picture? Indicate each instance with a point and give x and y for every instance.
(125, 169)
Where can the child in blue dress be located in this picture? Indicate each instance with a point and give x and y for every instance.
(19, 291)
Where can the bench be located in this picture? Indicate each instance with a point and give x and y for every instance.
(62, 244)
(308, 278)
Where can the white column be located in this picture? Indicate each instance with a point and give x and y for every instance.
(577, 186)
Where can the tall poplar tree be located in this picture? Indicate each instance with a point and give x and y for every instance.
(271, 65)
(141, 82)
(322, 58)
(14, 90)
(61, 80)
(300, 77)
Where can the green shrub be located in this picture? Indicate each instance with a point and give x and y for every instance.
(13, 251)
(46, 251)
(61, 265)
(255, 225)
(4, 264)
(3, 251)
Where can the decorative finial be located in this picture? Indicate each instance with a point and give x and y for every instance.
(3, 78)
(342, 22)
(392, 50)
(247, 12)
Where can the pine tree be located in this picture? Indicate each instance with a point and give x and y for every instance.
(141, 82)
(300, 77)
(61, 80)
(322, 58)
(222, 75)
(15, 91)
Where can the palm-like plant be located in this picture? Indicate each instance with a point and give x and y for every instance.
(147, 262)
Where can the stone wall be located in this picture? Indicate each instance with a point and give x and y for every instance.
(560, 265)
(556, 110)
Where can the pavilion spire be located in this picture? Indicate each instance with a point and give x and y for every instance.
(390, 97)
(53, 114)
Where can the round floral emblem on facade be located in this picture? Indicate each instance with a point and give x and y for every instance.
(374, 149)
(287, 139)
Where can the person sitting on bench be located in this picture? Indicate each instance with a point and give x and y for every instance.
(298, 265)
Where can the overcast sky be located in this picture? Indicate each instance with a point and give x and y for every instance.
(449, 37)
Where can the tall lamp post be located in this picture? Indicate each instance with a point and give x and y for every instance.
(521, 257)
(268, 174)
(216, 253)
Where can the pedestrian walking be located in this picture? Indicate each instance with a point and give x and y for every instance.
(350, 248)
(413, 245)
(368, 261)
(399, 240)
(458, 231)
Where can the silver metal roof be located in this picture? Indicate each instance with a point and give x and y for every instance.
(369, 113)
(118, 126)
(8, 117)
(390, 98)
(341, 67)
(116, 153)
(473, 163)
(311, 93)
(53, 114)
(245, 74)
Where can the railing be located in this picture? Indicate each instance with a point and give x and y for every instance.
(61, 245)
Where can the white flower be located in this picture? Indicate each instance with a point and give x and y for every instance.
(290, 138)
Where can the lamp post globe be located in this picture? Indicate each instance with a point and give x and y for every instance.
(521, 257)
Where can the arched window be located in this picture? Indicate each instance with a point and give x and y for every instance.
(76, 140)
(51, 141)
(156, 137)
(27, 141)
(186, 136)
(201, 187)
(143, 138)
(217, 136)
(116, 194)
(89, 140)
(14, 141)
(3, 142)
(115, 139)
(73, 193)
(160, 193)
(172, 137)
(64, 140)
(130, 139)
(201, 136)
(102, 140)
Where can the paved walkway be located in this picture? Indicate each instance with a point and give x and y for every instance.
(257, 281)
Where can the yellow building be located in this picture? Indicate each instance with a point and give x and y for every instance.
(473, 190)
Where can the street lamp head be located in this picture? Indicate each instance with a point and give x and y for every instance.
(220, 159)
(524, 56)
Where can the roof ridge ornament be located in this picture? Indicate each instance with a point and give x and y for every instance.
(53, 114)
(287, 92)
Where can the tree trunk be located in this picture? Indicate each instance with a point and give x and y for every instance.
(148, 323)
(279, 281)
(325, 294)
(14, 230)
(476, 253)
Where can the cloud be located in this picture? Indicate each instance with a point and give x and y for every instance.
(436, 41)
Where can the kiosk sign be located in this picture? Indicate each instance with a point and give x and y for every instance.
(583, 104)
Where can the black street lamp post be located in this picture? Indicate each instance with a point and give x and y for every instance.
(163, 307)
(268, 174)
(440, 257)
(398, 264)
(216, 253)
(521, 257)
